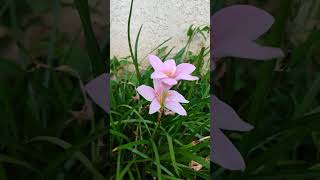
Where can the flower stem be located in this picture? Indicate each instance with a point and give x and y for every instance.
(134, 58)
(159, 116)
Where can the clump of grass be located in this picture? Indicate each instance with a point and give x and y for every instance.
(142, 148)
(137, 138)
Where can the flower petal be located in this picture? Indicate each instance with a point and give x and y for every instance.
(98, 90)
(175, 96)
(147, 92)
(169, 81)
(175, 107)
(224, 117)
(246, 49)
(158, 75)
(185, 68)
(155, 62)
(224, 153)
(169, 66)
(247, 22)
(188, 77)
(154, 106)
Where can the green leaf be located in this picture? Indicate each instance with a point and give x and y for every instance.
(97, 62)
(134, 58)
(18, 162)
(172, 154)
(71, 151)
(190, 31)
(156, 154)
(179, 56)
(78, 155)
(129, 145)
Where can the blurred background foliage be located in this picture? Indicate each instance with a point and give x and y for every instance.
(279, 97)
(47, 53)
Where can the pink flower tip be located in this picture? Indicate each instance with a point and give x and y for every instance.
(169, 73)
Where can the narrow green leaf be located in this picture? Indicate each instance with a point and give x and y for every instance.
(172, 154)
(156, 154)
(135, 60)
(129, 145)
(97, 62)
(14, 161)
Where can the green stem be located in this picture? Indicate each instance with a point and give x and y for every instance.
(134, 58)
(159, 116)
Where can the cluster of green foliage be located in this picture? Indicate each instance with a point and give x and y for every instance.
(44, 132)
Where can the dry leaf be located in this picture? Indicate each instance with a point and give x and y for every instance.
(195, 166)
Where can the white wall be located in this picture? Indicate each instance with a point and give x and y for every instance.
(161, 19)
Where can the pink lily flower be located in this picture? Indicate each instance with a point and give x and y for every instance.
(234, 30)
(98, 90)
(162, 97)
(169, 73)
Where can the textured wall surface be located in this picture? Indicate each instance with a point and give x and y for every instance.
(161, 20)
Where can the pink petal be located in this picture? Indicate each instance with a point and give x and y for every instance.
(242, 48)
(158, 75)
(154, 106)
(188, 77)
(98, 90)
(224, 117)
(147, 92)
(185, 68)
(175, 96)
(169, 66)
(175, 107)
(224, 153)
(155, 62)
(169, 81)
(247, 22)
(159, 86)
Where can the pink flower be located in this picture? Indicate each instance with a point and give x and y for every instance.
(162, 97)
(234, 30)
(169, 73)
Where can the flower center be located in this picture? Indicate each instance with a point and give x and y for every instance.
(161, 97)
(169, 73)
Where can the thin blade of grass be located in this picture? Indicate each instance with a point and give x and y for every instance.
(97, 62)
(172, 154)
(135, 60)
(137, 43)
(131, 144)
(15, 161)
(156, 154)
